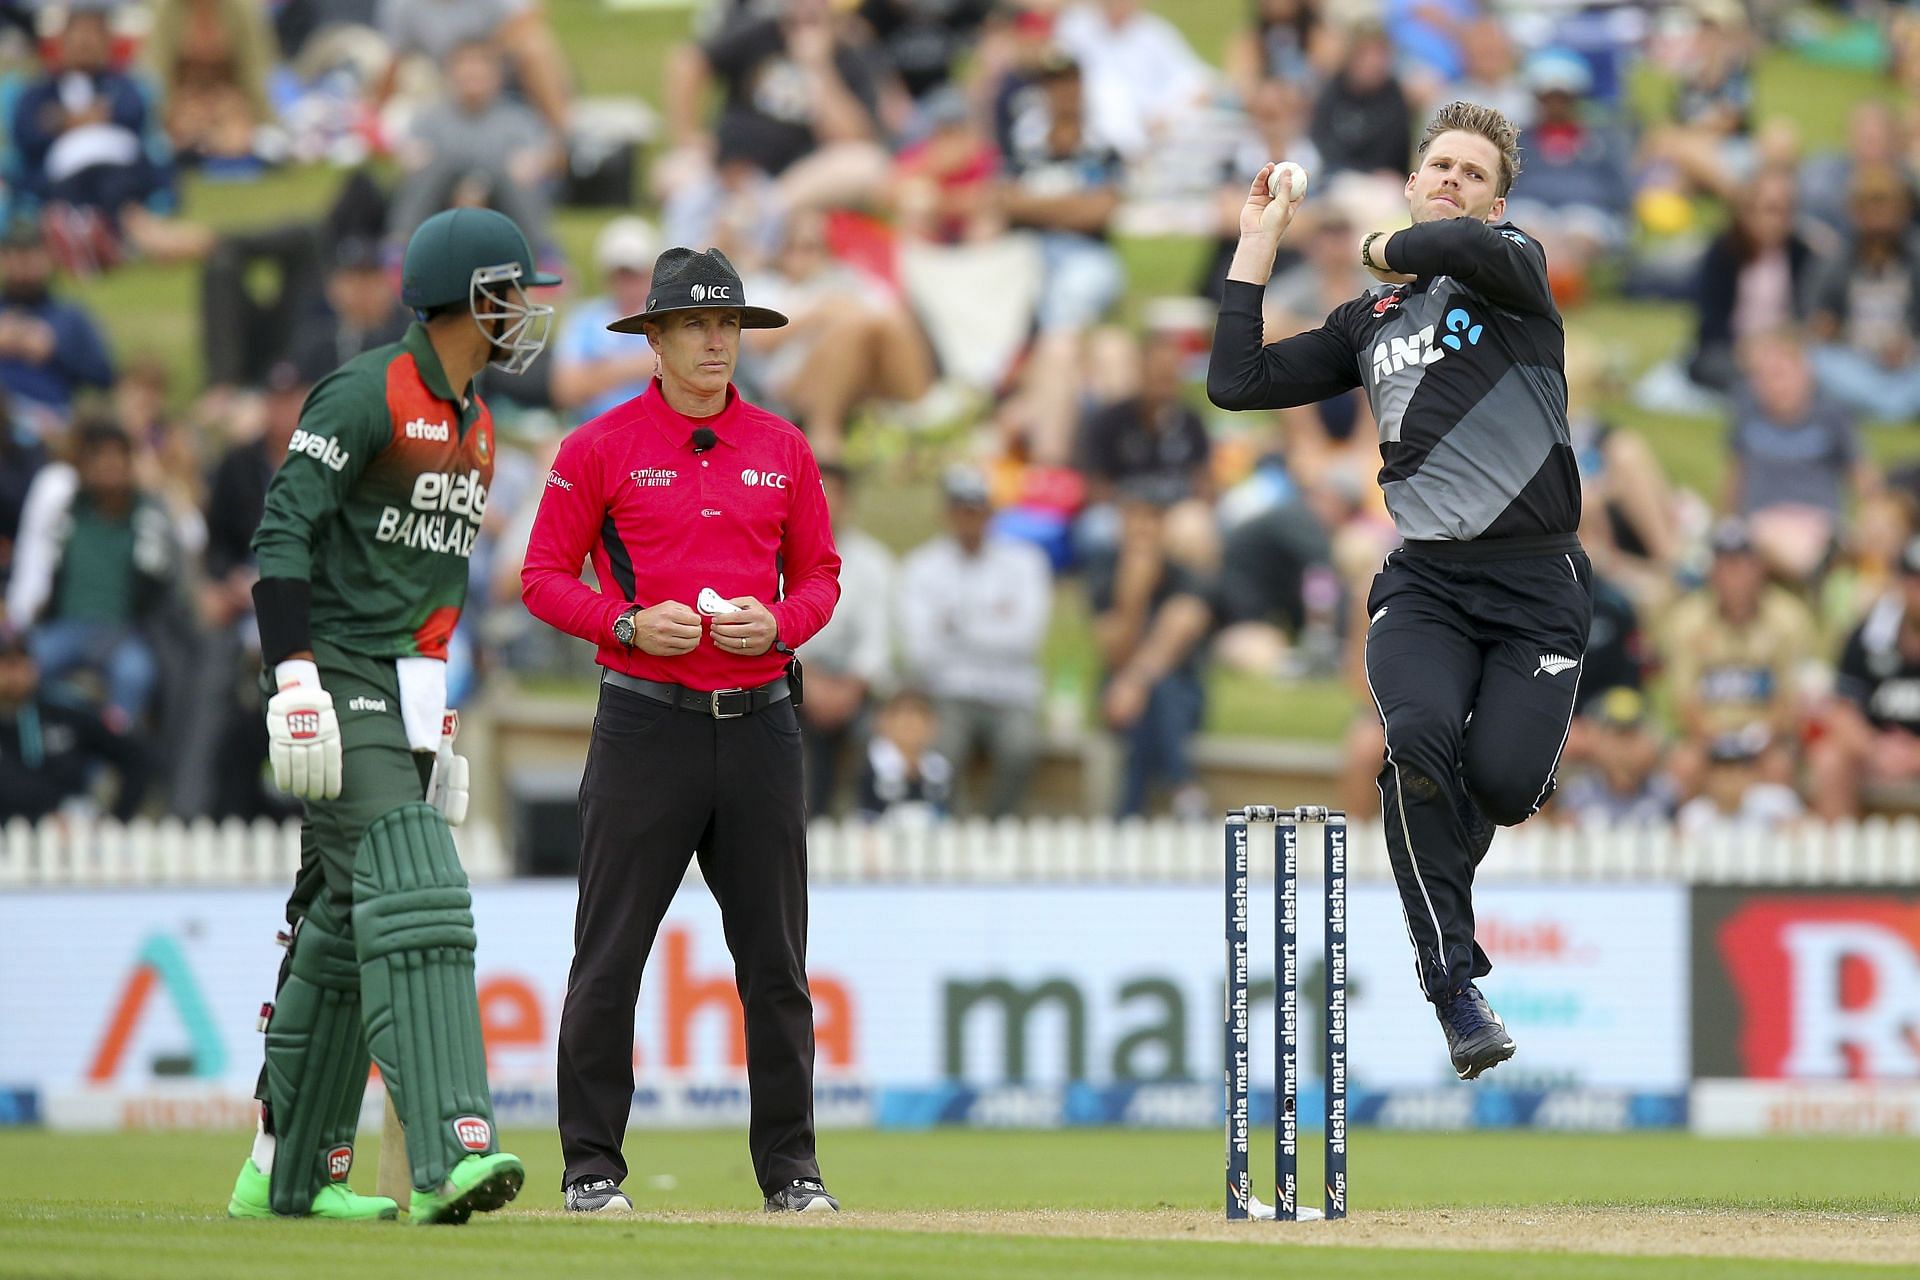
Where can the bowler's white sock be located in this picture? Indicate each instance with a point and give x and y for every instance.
(263, 1145)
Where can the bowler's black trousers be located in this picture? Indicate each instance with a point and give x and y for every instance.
(1474, 653)
(660, 785)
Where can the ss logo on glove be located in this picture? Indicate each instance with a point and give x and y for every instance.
(303, 725)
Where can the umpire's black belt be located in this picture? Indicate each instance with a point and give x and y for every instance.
(721, 704)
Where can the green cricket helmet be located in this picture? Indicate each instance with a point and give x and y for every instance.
(480, 258)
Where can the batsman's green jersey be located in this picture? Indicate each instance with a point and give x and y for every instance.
(380, 500)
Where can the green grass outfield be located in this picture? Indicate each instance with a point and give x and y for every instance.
(971, 1203)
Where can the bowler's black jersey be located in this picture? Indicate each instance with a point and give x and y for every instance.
(1465, 369)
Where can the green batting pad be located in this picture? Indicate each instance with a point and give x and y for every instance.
(316, 1062)
(413, 924)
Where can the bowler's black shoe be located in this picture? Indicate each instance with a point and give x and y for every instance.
(802, 1195)
(597, 1195)
(1476, 1038)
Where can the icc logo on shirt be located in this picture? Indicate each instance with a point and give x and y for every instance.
(766, 479)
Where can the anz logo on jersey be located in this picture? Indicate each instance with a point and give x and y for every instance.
(1428, 346)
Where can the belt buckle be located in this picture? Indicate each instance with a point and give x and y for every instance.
(713, 701)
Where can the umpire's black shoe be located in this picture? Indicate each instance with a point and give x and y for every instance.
(597, 1195)
(802, 1195)
(1476, 1038)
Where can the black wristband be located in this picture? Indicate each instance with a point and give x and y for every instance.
(1366, 252)
(283, 607)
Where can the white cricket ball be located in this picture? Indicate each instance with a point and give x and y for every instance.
(1290, 173)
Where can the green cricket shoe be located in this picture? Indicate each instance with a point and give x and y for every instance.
(336, 1200)
(478, 1184)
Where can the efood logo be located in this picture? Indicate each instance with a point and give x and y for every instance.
(763, 479)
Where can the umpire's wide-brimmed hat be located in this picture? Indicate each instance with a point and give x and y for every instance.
(687, 281)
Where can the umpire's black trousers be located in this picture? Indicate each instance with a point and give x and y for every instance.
(1474, 653)
(660, 785)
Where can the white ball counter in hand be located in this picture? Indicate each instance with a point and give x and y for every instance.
(1287, 177)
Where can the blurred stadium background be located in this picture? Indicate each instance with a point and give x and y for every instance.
(1000, 221)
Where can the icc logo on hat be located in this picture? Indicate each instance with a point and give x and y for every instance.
(699, 293)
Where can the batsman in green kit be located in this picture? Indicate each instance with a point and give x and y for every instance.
(363, 572)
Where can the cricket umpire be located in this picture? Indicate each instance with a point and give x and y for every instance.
(708, 531)
(1478, 622)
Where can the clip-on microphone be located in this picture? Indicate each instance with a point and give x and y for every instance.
(704, 439)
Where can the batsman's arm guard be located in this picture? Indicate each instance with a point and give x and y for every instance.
(413, 923)
(317, 1061)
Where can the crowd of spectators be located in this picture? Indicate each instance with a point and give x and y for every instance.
(957, 201)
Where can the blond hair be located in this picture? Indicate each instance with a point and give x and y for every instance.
(1488, 123)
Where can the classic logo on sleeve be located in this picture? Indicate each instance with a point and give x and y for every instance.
(322, 449)
(557, 481)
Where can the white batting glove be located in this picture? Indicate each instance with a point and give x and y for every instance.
(303, 733)
(447, 788)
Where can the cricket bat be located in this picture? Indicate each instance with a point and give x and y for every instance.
(395, 1179)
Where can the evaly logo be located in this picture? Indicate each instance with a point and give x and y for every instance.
(1459, 322)
(160, 964)
(1553, 664)
(322, 449)
(339, 1163)
(421, 429)
(367, 704)
(763, 479)
(473, 1133)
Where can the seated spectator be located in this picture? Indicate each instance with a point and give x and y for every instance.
(363, 310)
(849, 662)
(1619, 781)
(50, 749)
(799, 115)
(1276, 126)
(1871, 722)
(1428, 42)
(1490, 75)
(1734, 651)
(1753, 278)
(1064, 187)
(944, 184)
(1865, 303)
(1795, 460)
(1141, 75)
(86, 153)
(1629, 511)
(1706, 146)
(1876, 139)
(973, 617)
(1739, 789)
(595, 369)
(212, 59)
(1361, 120)
(1152, 618)
(851, 342)
(921, 42)
(1578, 197)
(95, 568)
(50, 348)
(1151, 447)
(21, 457)
(1287, 41)
(905, 780)
(433, 29)
(477, 147)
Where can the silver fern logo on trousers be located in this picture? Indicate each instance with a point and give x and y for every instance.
(1553, 664)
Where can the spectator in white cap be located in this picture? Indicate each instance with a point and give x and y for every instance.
(973, 618)
(595, 369)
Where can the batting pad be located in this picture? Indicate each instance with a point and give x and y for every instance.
(413, 924)
(316, 1062)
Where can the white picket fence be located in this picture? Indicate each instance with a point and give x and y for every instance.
(1070, 850)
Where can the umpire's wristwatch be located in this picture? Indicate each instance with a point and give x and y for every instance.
(623, 626)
